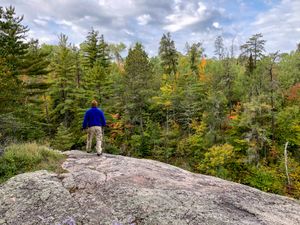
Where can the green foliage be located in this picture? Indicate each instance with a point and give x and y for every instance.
(116, 50)
(63, 139)
(22, 66)
(168, 54)
(191, 149)
(63, 86)
(289, 73)
(195, 52)
(13, 33)
(219, 47)
(228, 117)
(288, 125)
(292, 189)
(95, 50)
(136, 82)
(90, 48)
(216, 160)
(253, 51)
(21, 158)
(266, 179)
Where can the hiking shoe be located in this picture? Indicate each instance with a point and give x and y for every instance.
(99, 154)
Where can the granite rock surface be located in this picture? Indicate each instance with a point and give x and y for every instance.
(119, 190)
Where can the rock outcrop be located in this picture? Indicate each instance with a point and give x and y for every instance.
(121, 190)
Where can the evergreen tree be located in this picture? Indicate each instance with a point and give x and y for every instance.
(219, 47)
(103, 53)
(22, 67)
(96, 84)
(232, 120)
(78, 67)
(90, 49)
(12, 40)
(137, 82)
(96, 56)
(298, 47)
(95, 50)
(168, 54)
(12, 54)
(116, 50)
(63, 139)
(195, 53)
(253, 50)
(64, 83)
(35, 87)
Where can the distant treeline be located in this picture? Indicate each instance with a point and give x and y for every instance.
(227, 116)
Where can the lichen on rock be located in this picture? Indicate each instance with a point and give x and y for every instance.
(121, 190)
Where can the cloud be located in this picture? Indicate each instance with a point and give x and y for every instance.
(280, 25)
(40, 22)
(144, 19)
(43, 37)
(185, 15)
(216, 25)
(128, 32)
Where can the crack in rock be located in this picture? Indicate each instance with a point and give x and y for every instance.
(127, 191)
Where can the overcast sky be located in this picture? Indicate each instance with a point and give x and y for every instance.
(145, 21)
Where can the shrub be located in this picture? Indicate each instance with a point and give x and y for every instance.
(216, 160)
(292, 189)
(63, 139)
(266, 179)
(21, 158)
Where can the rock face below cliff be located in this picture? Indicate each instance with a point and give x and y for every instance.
(120, 190)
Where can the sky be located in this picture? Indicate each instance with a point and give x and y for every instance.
(145, 21)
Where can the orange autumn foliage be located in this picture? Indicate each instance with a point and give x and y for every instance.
(201, 67)
(235, 112)
(294, 92)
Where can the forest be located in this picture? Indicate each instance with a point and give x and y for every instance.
(234, 117)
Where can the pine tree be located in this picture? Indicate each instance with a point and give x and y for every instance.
(12, 40)
(116, 50)
(12, 54)
(168, 54)
(298, 47)
(78, 67)
(35, 86)
(195, 53)
(22, 67)
(103, 52)
(219, 47)
(90, 49)
(95, 50)
(253, 51)
(137, 82)
(64, 83)
(63, 139)
(96, 55)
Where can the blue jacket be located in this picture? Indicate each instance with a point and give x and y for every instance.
(93, 117)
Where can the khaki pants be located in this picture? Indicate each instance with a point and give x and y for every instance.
(91, 132)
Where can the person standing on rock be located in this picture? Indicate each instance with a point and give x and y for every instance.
(94, 121)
